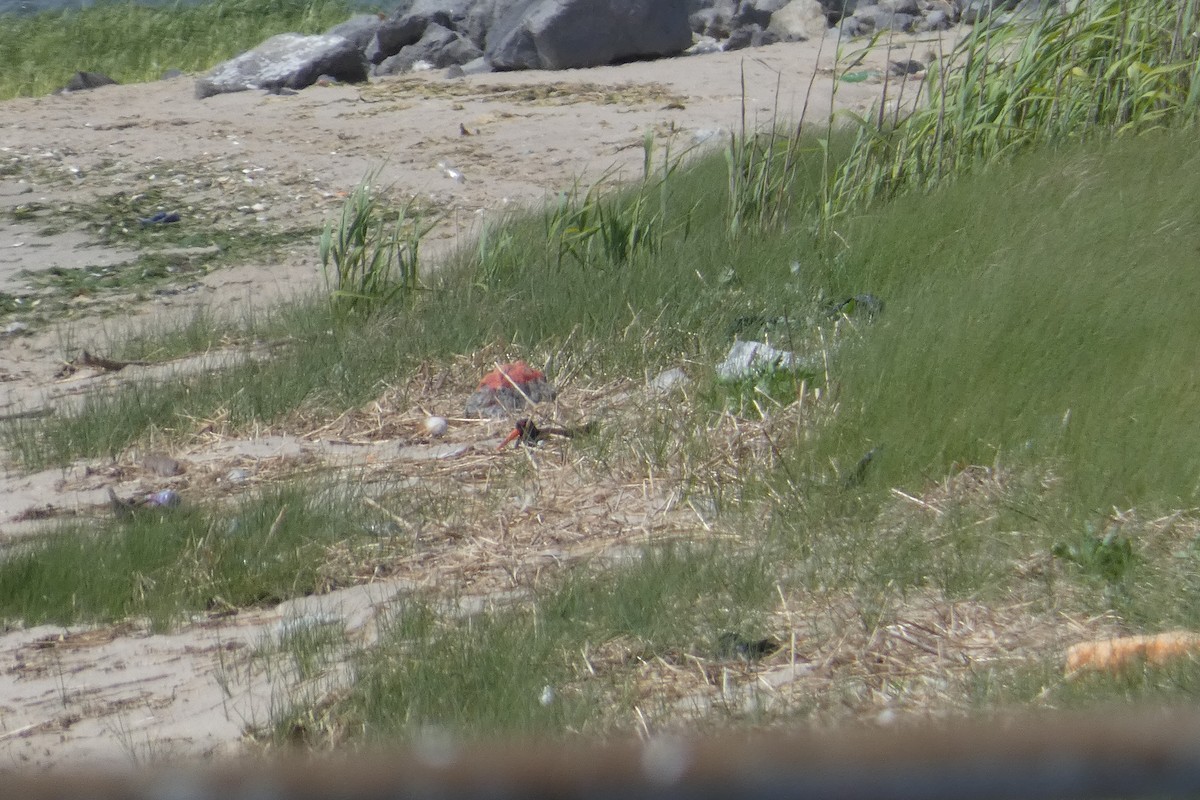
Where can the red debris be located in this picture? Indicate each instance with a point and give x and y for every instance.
(517, 372)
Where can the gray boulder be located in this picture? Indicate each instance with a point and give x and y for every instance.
(440, 47)
(750, 36)
(757, 12)
(408, 23)
(360, 29)
(286, 61)
(799, 20)
(566, 34)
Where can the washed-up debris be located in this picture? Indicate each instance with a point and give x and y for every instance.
(126, 509)
(162, 465)
(526, 433)
(734, 645)
(160, 218)
(87, 359)
(237, 475)
(509, 388)
(436, 426)
(1117, 655)
(747, 359)
(857, 475)
(667, 381)
(167, 498)
(866, 304)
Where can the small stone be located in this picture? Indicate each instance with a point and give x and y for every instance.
(436, 426)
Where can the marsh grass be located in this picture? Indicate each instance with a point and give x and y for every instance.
(371, 256)
(1107, 68)
(189, 37)
(168, 565)
(525, 669)
(992, 351)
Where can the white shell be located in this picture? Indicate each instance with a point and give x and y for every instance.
(436, 426)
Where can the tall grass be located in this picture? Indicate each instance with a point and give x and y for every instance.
(166, 565)
(1039, 312)
(526, 670)
(371, 258)
(1109, 67)
(132, 43)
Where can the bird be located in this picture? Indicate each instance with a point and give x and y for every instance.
(525, 432)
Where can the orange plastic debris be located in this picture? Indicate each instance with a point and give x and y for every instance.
(518, 372)
(1115, 655)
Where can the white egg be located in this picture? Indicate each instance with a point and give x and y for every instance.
(436, 426)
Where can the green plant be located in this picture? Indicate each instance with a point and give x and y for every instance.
(1109, 557)
(1108, 67)
(375, 259)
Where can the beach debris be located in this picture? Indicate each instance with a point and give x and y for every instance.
(163, 465)
(734, 645)
(237, 475)
(507, 389)
(747, 359)
(866, 304)
(160, 218)
(436, 426)
(1119, 654)
(667, 381)
(166, 498)
(526, 433)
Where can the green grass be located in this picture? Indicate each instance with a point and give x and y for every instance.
(486, 673)
(40, 53)
(1036, 313)
(166, 565)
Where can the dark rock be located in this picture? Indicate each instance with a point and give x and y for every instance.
(975, 10)
(836, 10)
(877, 18)
(750, 36)
(734, 645)
(799, 20)
(407, 25)
(83, 81)
(565, 34)
(908, 67)
(286, 61)
(440, 47)
(359, 29)
(756, 12)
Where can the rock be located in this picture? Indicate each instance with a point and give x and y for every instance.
(836, 10)
(900, 6)
(408, 23)
(359, 29)
(286, 61)
(799, 20)
(975, 10)
(436, 426)
(747, 359)
(935, 21)
(756, 12)
(668, 381)
(440, 47)
(566, 34)
(83, 81)
(750, 36)
(877, 18)
(163, 465)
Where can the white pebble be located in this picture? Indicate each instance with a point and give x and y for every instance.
(436, 426)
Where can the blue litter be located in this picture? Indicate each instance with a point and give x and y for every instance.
(161, 218)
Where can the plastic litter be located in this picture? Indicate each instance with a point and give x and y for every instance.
(160, 218)
(747, 359)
